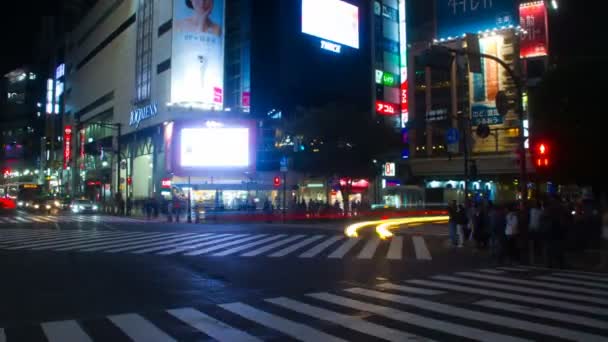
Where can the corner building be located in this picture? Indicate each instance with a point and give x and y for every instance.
(158, 100)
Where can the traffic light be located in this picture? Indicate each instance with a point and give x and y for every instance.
(541, 158)
(276, 181)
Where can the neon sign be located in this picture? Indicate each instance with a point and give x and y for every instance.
(386, 108)
(67, 146)
(331, 47)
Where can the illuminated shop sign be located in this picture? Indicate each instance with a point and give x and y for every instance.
(534, 39)
(331, 47)
(385, 108)
(141, 114)
(67, 146)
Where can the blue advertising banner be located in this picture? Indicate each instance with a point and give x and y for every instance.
(457, 17)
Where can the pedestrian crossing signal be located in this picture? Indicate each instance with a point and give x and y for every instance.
(542, 156)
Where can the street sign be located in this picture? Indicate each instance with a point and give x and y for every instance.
(283, 164)
(452, 136)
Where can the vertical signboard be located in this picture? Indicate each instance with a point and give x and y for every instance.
(82, 145)
(487, 84)
(403, 66)
(457, 17)
(533, 19)
(67, 146)
(197, 67)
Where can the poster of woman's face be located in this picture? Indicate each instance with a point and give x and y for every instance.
(199, 16)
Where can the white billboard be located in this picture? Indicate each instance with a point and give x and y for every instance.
(197, 62)
(214, 147)
(333, 20)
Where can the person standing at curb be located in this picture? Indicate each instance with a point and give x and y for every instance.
(534, 231)
(511, 233)
(452, 210)
(461, 224)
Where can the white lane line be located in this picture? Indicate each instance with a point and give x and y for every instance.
(579, 276)
(535, 283)
(296, 330)
(343, 249)
(532, 311)
(137, 245)
(597, 274)
(165, 243)
(22, 237)
(215, 239)
(65, 246)
(2, 335)
(124, 243)
(491, 271)
(272, 246)
(224, 245)
(50, 241)
(524, 289)
(512, 269)
(395, 250)
(89, 246)
(105, 240)
(217, 330)
(369, 249)
(483, 317)
(139, 329)
(409, 289)
(511, 296)
(321, 247)
(422, 252)
(414, 319)
(199, 238)
(283, 252)
(573, 281)
(247, 246)
(350, 322)
(65, 331)
(21, 219)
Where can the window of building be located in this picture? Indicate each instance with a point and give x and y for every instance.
(143, 64)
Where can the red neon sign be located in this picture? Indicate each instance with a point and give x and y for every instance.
(533, 19)
(385, 108)
(404, 103)
(165, 183)
(67, 146)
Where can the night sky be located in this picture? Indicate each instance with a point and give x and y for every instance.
(576, 31)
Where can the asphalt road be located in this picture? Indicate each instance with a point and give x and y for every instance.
(88, 278)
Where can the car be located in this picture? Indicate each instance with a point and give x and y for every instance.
(84, 207)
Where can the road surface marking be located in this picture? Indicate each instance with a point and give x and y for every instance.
(512, 269)
(344, 248)
(65, 331)
(130, 242)
(216, 239)
(22, 237)
(2, 335)
(321, 247)
(422, 252)
(294, 247)
(532, 311)
(148, 247)
(90, 246)
(137, 245)
(573, 281)
(395, 250)
(521, 298)
(54, 240)
(350, 322)
(210, 326)
(296, 330)
(369, 249)
(414, 319)
(272, 246)
(164, 246)
(409, 289)
(65, 245)
(535, 283)
(491, 271)
(249, 245)
(483, 317)
(603, 276)
(21, 219)
(578, 276)
(139, 328)
(524, 289)
(224, 245)
(36, 219)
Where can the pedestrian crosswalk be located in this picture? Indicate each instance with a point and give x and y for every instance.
(246, 245)
(42, 219)
(432, 309)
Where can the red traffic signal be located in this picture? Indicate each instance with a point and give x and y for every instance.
(276, 181)
(541, 158)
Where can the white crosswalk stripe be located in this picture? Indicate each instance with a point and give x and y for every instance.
(582, 276)
(573, 281)
(45, 219)
(384, 311)
(213, 244)
(422, 251)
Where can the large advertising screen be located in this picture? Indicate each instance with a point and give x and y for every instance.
(457, 17)
(216, 147)
(487, 84)
(197, 63)
(535, 39)
(333, 20)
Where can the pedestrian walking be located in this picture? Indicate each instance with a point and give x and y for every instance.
(556, 234)
(452, 210)
(511, 233)
(535, 231)
(461, 224)
(479, 229)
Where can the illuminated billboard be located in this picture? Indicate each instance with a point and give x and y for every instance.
(486, 85)
(333, 20)
(215, 147)
(403, 64)
(197, 62)
(533, 19)
(457, 17)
